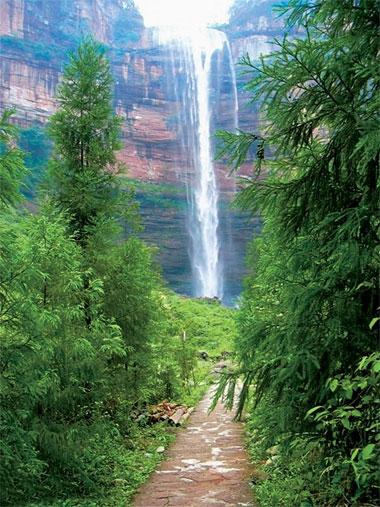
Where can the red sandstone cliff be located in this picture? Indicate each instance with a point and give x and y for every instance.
(36, 35)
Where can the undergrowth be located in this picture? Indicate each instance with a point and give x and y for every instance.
(119, 454)
(122, 464)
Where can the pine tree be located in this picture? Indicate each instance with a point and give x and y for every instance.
(54, 369)
(12, 168)
(83, 182)
(313, 293)
(82, 178)
(86, 134)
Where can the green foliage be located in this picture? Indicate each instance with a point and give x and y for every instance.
(238, 147)
(339, 459)
(122, 464)
(89, 334)
(208, 324)
(40, 304)
(12, 168)
(320, 467)
(86, 134)
(349, 428)
(160, 195)
(131, 285)
(186, 328)
(309, 311)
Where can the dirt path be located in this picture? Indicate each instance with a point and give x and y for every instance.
(206, 466)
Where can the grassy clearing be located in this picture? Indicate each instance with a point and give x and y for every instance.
(209, 325)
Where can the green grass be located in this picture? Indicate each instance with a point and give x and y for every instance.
(125, 464)
(209, 325)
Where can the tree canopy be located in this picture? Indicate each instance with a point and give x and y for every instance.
(309, 313)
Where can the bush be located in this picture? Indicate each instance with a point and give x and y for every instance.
(348, 429)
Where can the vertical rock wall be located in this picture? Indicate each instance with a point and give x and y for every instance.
(35, 36)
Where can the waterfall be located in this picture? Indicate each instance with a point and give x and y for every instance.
(192, 56)
(234, 87)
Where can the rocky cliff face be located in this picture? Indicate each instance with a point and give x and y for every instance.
(57, 21)
(35, 37)
(251, 30)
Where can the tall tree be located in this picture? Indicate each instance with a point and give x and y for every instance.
(84, 183)
(86, 134)
(82, 178)
(308, 307)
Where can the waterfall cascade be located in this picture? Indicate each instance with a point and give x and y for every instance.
(193, 58)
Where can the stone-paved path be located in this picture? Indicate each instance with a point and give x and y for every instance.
(206, 466)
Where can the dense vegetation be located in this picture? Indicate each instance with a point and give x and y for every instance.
(90, 336)
(309, 321)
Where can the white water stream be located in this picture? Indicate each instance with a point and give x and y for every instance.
(194, 54)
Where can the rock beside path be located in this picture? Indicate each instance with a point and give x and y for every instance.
(206, 466)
